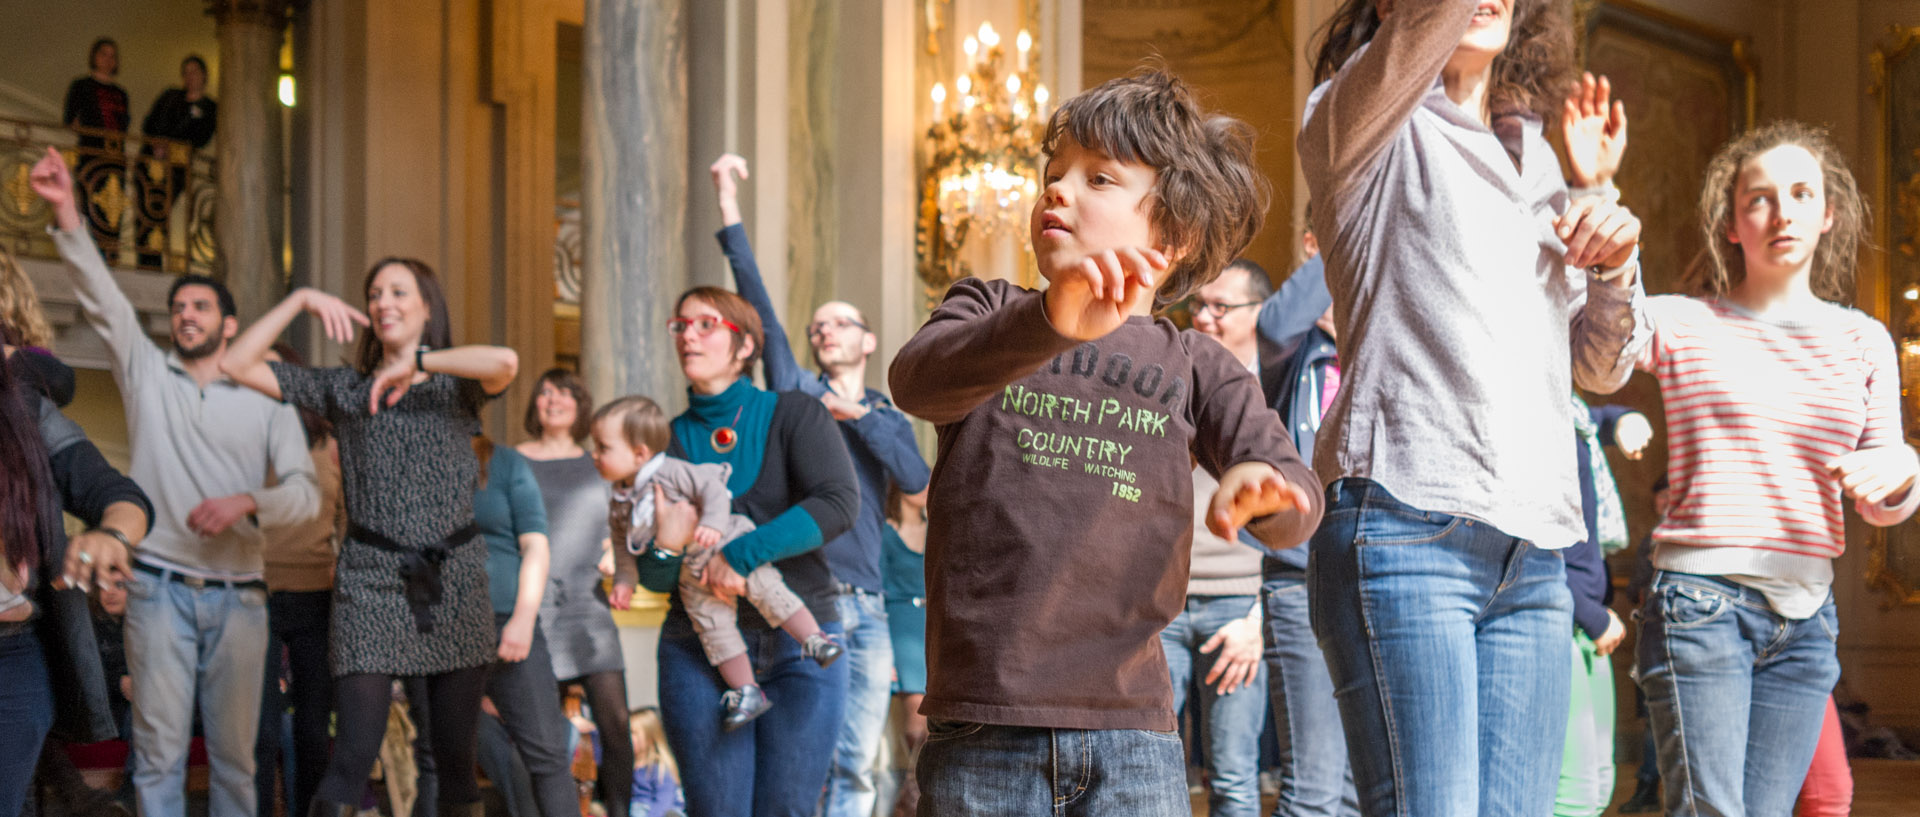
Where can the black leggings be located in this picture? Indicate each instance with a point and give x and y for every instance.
(360, 724)
(607, 697)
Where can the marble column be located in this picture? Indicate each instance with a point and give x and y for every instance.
(633, 202)
(248, 218)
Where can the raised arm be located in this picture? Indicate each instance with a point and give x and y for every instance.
(1237, 438)
(246, 357)
(1352, 119)
(984, 336)
(1293, 308)
(106, 307)
(783, 371)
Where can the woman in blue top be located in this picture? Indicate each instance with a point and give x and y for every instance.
(513, 519)
(792, 476)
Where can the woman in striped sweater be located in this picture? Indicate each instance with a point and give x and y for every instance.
(1779, 402)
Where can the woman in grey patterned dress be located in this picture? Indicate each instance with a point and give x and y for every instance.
(574, 615)
(410, 591)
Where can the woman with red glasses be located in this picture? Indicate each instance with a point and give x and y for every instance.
(792, 476)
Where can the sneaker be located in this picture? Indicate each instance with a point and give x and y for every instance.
(822, 649)
(743, 705)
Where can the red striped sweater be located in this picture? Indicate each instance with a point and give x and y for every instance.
(1756, 410)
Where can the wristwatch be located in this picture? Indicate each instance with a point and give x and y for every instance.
(420, 357)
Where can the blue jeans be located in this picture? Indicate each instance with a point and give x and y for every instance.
(1315, 778)
(1234, 719)
(850, 783)
(1447, 643)
(26, 713)
(774, 766)
(973, 768)
(1735, 692)
(183, 642)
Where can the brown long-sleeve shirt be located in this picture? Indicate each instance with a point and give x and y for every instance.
(1061, 508)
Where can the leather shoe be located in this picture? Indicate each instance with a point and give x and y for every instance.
(743, 705)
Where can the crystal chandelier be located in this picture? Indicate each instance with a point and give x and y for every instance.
(983, 168)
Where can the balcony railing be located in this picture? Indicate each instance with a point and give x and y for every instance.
(148, 203)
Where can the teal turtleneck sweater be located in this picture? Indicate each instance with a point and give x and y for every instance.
(749, 411)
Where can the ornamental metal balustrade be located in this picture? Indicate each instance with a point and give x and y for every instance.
(148, 203)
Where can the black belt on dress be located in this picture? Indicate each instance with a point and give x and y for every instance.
(421, 570)
(196, 582)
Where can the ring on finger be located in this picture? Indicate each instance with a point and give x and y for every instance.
(86, 558)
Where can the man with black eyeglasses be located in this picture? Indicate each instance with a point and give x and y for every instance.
(880, 439)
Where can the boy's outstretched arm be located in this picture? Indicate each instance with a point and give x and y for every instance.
(986, 335)
(1264, 485)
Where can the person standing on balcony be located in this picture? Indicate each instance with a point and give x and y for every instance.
(202, 448)
(880, 439)
(97, 108)
(180, 122)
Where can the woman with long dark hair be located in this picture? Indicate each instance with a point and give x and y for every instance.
(792, 476)
(1468, 285)
(575, 614)
(410, 589)
(47, 466)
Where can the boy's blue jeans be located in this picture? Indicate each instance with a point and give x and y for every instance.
(1447, 642)
(1735, 694)
(975, 768)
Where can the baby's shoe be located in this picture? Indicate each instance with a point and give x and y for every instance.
(822, 649)
(743, 705)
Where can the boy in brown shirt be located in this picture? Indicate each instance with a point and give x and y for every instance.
(1069, 421)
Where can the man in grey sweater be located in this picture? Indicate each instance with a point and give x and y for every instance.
(203, 449)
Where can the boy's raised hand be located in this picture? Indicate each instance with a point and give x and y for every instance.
(1095, 296)
(1249, 490)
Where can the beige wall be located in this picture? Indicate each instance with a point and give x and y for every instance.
(1232, 52)
(431, 134)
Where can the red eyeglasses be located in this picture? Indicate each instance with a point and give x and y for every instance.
(703, 325)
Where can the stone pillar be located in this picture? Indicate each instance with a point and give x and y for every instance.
(633, 202)
(248, 217)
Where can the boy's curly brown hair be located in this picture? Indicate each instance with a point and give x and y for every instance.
(1208, 201)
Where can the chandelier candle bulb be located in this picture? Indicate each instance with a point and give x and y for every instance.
(939, 102)
(972, 47)
(1025, 43)
(1013, 84)
(964, 85)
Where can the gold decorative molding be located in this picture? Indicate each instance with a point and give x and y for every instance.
(1656, 21)
(1898, 234)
